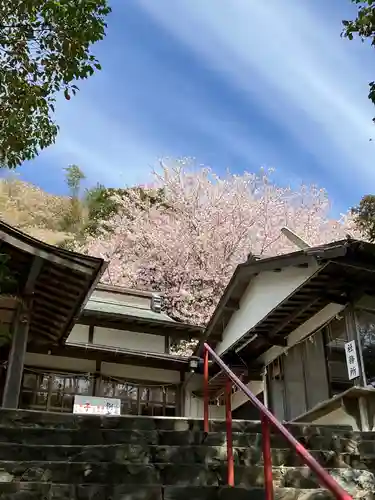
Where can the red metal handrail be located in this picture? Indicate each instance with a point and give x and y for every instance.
(267, 418)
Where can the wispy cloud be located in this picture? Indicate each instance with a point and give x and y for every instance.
(108, 150)
(236, 84)
(291, 60)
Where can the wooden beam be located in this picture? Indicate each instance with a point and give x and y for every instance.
(277, 340)
(136, 325)
(276, 263)
(355, 265)
(41, 330)
(337, 299)
(111, 356)
(291, 317)
(61, 295)
(45, 319)
(34, 272)
(232, 305)
(50, 255)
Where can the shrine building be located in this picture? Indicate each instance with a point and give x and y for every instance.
(298, 329)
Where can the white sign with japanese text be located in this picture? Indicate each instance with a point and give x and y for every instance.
(96, 406)
(352, 360)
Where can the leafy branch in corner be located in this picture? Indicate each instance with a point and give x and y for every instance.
(45, 48)
(363, 26)
(8, 286)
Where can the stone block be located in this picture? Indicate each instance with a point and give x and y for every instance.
(238, 493)
(122, 453)
(49, 491)
(59, 457)
(61, 437)
(79, 473)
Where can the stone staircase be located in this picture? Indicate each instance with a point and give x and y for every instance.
(45, 456)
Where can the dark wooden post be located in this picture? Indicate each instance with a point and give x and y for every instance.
(96, 382)
(181, 396)
(17, 356)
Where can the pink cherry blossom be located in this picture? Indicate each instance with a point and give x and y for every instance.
(189, 246)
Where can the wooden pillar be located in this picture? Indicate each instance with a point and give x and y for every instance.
(181, 396)
(16, 358)
(97, 376)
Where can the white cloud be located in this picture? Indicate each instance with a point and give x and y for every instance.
(291, 60)
(108, 151)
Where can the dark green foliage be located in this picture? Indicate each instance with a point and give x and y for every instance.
(44, 48)
(103, 203)
(8, 282)
(90, 215)
(74, 176)
(364, 27)
(364, 215)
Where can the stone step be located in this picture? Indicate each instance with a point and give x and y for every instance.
(30, 418)
(48, 491)
(171, 474)
(57, 436)
(191, 454)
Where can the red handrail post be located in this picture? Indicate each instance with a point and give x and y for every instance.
(325, 478)
(205, 390)
(267, 458)
(228, 421)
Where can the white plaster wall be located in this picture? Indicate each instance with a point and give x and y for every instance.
(337, 417)
(129, 340)
(263, 294)
(140, 373)
(79, 334)
(59, 363)
(194, 406)
(111, 369)
(310, 326)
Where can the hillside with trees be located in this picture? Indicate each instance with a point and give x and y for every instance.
(66, 221)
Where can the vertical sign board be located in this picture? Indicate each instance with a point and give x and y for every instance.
(96, 406)
(352, 360)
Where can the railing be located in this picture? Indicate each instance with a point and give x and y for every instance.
(268, 420)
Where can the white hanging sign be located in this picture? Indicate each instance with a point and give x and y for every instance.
(352, 360)
(96, 406)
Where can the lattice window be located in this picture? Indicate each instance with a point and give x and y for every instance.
(53, 391)
(142, 399)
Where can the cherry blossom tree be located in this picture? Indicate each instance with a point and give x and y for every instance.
(188, 245)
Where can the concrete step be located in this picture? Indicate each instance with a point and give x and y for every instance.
(47, 491)
(146, 454)
(29, 418)
(58, 436)
(171, 474)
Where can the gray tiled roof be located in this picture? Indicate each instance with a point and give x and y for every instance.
(119, 308)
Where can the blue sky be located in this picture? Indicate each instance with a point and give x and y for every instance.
(236, 84)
